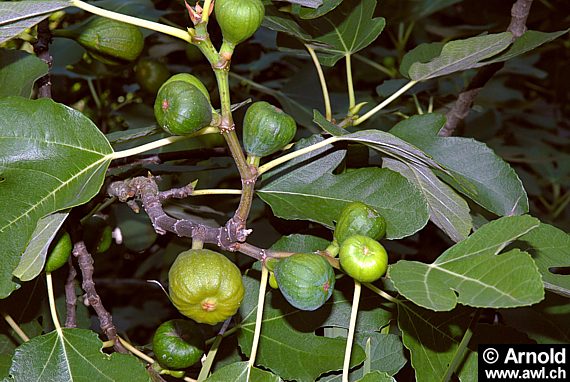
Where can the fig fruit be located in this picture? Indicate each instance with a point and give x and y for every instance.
(178, 344)
(266, 129)
(59, 253)
(182, 108)
(306, 280)
(238, 19)
(363, 258)
(205, 286)
(356, 218)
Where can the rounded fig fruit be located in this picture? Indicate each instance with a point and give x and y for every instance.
(306, 280)
(238, 19)
(356, 218)
(266, 129)
(205, 286)
(363, 258)
(181, 108)
(178, 344)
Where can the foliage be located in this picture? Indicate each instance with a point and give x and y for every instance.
(476, 223)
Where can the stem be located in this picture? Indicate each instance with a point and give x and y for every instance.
(326, 98)
(381, 293)
(221, 191)
(94, 94)
(15, 327)
(207, 365)
(351, 99)
(253, 160)
(206, 11)
(52, 304)
(197, 244)
(285, 158)
(385, 103)
(259, 317)
(462, 348)
(136, 351)
(176, 32)
(351, 328)
(161, 142)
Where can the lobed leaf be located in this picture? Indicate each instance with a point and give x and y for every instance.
(51, 158)
(472, 273)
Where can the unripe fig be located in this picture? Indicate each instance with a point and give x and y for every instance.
(363, 258)
(266, 129)
(238, 19)
(205, 286)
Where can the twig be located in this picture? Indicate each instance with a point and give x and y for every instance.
(41, 48)
(461, 108)
(70, 296)
(85, 261)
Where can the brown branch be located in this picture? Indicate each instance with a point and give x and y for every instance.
(70, 297)
(41, 48)
(85, 261)
(461, 108)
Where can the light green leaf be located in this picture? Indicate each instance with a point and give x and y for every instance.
(16, 17)
(477, 171)
(34, 257)
(458, 55)
(377, 376)
(51, 158)
(550, 248)
(473, 273)
(73, 356)
(448, 211)
(238, 372)
(528, 41)
(288, 345)
(18, 72)
(313, 193)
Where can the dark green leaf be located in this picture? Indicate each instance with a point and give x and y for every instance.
(51, 158)
(447, 210)
(313, 193)
(477, 171)
(75, 355)
(326, 7)
(473, 273)
(300, 243)
(18, 72)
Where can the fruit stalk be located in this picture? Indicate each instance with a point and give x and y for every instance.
(259, 317)
(351, 329)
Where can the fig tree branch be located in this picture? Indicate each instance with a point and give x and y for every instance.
(461, 108)
(85, 261)
(70, 297)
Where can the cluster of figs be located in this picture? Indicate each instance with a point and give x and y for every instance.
(205, 285)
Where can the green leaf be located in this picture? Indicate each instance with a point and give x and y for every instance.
(345, 31)
(284, 329)
(447, 210)
(51, 158)
(472, 273)
(19, 71)
(75, 355)
(550, 248)
(34, 257)
(454, 56)
(326, 7)
(377, 376)
(546, 323)
(300, 243)
(477, 171)
(313, 193)
(528, 41)
(238, 372)
(16, 17)
(386, 356)
(283, 22)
